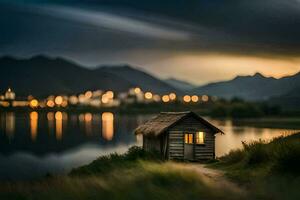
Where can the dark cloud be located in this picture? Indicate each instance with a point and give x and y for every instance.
(82, 30)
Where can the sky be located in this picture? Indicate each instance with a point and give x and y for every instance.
(199, 41)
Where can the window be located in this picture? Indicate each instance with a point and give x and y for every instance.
(188, 138)
(200, 138)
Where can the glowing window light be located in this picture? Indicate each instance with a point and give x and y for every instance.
(34, 103)
(50, 103)
(148, 95)
(195, 98)
(110, 94)
(172, 96)
(166, 98)
(88, 94)
(137, 90)
(205, 98)
(200, 138)
(187, 98)
(58, 100)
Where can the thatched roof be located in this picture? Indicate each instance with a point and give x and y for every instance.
(165, 120)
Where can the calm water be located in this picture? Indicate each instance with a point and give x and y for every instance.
(34, 144)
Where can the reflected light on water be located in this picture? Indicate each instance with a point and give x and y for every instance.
(107, 126)
(10, 124)
(88, 123)
(34, 117)
(58, 125)
(50, 118)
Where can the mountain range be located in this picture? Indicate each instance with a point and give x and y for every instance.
(256, 87)
(41, 76)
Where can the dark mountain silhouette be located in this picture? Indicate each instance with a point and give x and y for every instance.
(42, 76)
(256, 87)
(139, 78)
(179, 84)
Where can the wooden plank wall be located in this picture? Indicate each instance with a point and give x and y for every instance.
(176, 140)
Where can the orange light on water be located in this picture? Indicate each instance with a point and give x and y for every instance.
(187, 98)
(58, 125)
(107, 126)
(34, 116)
(88, 117)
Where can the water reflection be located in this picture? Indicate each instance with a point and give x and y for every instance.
(10, 124)
(34, 117)
(58, 125)
(107, 126)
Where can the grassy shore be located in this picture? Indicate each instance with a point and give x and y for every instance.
(262, 170)
(268, 170)
(134, 175)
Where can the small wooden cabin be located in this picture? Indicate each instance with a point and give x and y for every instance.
(179, 136)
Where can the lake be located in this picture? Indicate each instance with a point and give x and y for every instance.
(35, 144)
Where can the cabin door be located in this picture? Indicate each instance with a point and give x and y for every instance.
(188, 146)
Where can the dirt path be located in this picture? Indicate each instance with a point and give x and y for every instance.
(212, 176)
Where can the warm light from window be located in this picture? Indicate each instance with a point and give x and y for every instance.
(34, 103)
(200, 138)
(188, 138)
(148, 95)
(166, 98)
(73, 100)
(58, 100)
(195, 98)
(172, 96)
(156, 98)
(187, 98)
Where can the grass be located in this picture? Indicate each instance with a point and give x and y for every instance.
(134, 175)
(269, 170)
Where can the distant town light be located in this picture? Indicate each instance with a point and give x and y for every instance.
(64, 103)
(172, 96)
(137, 90)
(148, 95)
(195, 98)
(110, 94)
(104, 99)
(50, 103)
(205, 98)
(73, 100)
(88, 94)
(156, 98)
(58, 100)
(166, 98)
(187, 98)
(34, 103)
